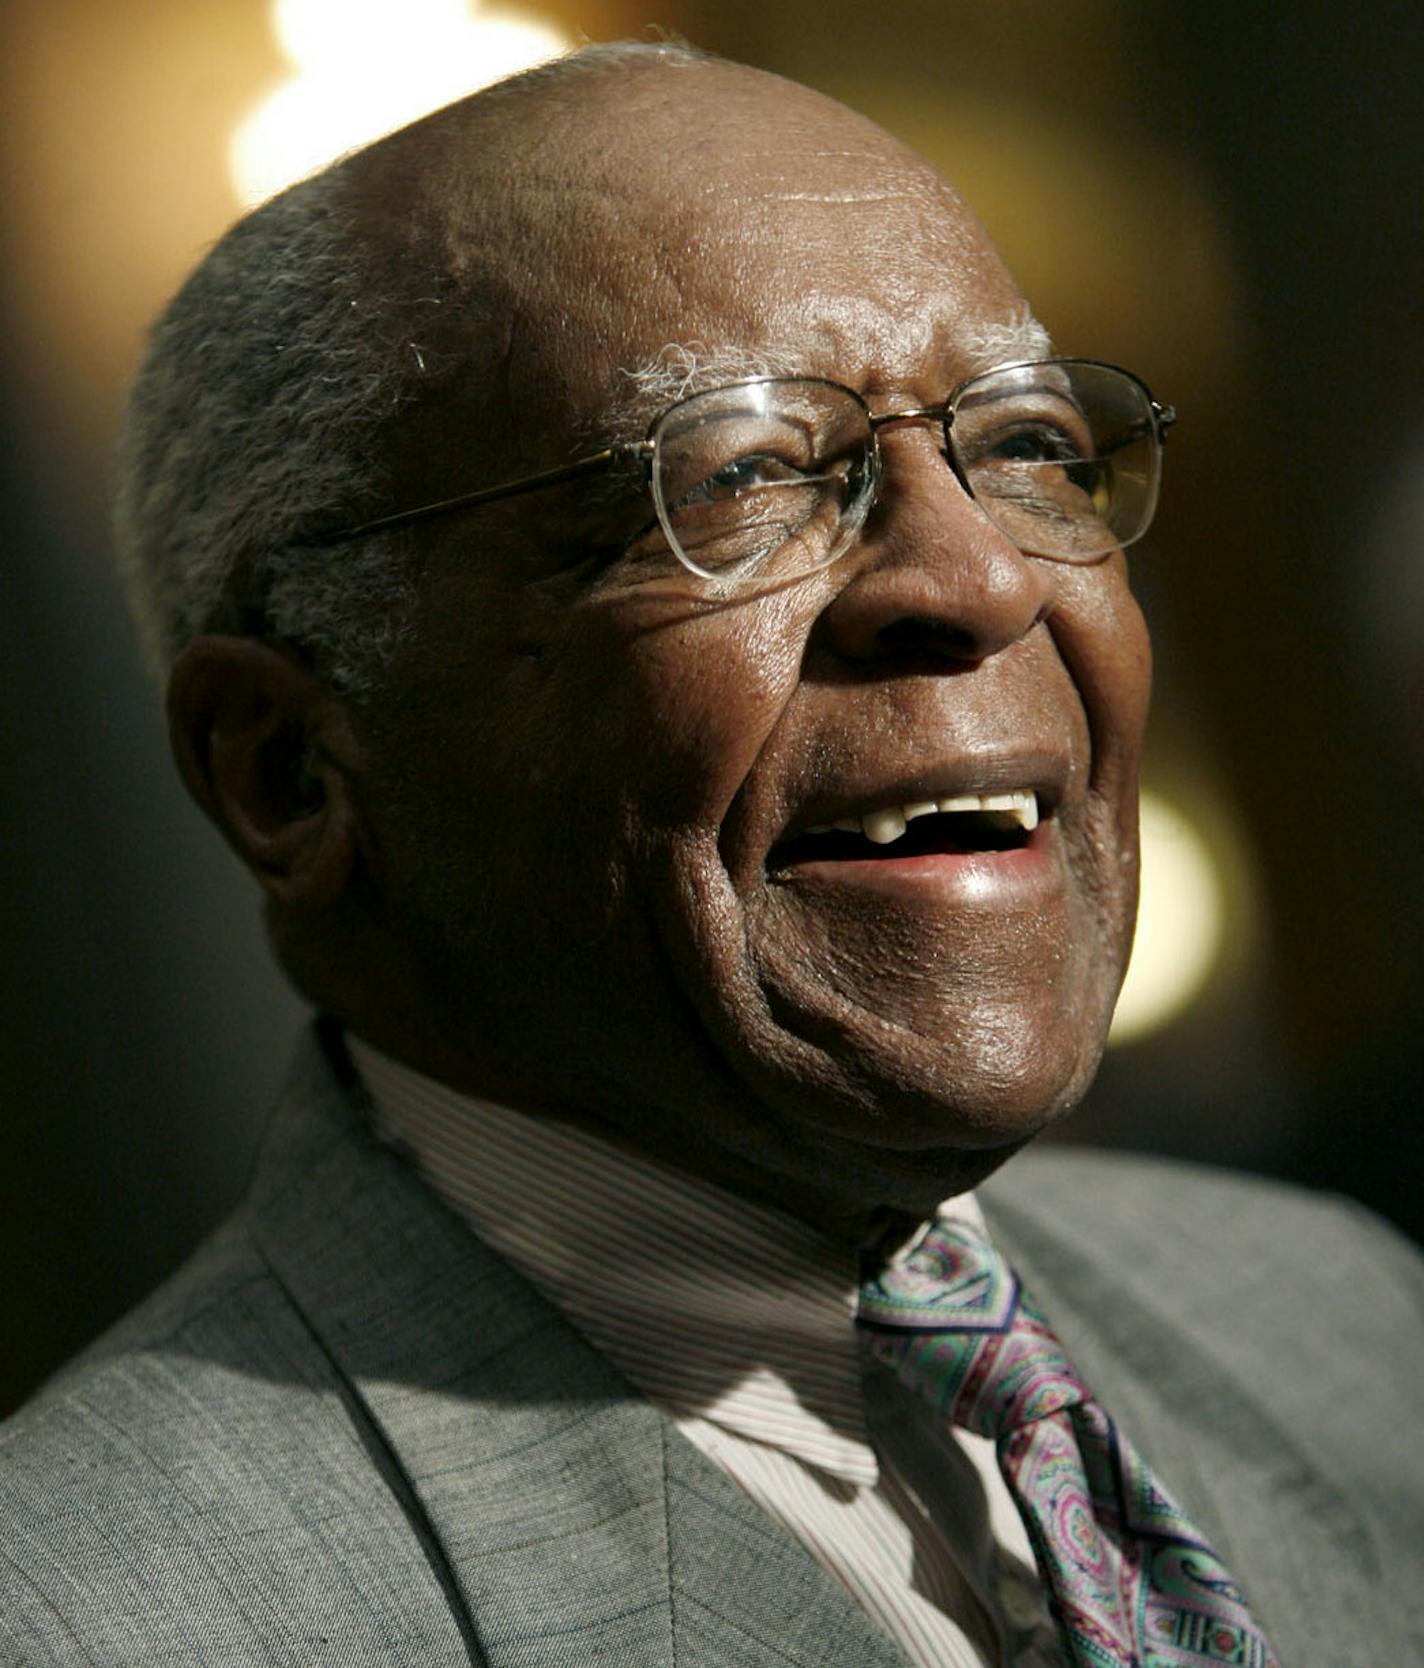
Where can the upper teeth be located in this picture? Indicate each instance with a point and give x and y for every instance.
(889, 824)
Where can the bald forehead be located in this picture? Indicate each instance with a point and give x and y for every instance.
(600, 214)
(625, 127)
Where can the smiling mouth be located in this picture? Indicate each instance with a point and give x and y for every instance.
(959, 826)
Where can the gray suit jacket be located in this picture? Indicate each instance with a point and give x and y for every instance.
(347, 1433)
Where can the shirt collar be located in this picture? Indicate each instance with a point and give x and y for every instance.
(719, 1307)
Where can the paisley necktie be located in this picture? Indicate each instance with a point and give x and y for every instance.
(1133, 1583)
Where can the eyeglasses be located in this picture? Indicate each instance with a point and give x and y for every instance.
(772, 478)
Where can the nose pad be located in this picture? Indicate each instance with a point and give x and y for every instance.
(932, 576)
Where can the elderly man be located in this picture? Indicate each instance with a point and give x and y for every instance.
(643, 601)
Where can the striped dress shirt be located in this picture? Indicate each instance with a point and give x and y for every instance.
(737, 1319)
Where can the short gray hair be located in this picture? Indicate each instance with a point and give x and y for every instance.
(253, 419)
(259, 413)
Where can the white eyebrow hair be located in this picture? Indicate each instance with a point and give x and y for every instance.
(679, 369)
(1021, 337)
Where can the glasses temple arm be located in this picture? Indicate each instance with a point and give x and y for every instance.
(629, 452)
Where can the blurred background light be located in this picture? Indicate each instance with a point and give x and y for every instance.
(1181, 922)
(366, 67)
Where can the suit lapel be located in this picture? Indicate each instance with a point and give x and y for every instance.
(574, 1522)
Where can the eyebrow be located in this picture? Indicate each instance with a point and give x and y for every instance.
(1021, 337)
(680, 369)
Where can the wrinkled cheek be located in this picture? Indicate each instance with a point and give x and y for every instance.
(1102, 640)
(700, 699)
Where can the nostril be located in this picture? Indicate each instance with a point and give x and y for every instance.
(920, 634)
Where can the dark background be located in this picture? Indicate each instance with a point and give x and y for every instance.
(1227, 198)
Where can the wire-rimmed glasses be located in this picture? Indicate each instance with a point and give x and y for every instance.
(768, 479)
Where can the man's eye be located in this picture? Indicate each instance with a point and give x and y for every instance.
(1034, 443)
(744, 474)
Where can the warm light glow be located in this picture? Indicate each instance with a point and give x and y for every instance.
(1180, 922)
(366, 67)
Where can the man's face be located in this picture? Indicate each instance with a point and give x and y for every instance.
(587, 798)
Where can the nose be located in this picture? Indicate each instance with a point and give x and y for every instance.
(932, 578)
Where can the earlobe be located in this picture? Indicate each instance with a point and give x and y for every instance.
(266, 749)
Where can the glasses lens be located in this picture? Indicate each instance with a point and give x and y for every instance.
(763, 481)
(1063, 457)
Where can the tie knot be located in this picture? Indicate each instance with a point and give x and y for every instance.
(953, 1321)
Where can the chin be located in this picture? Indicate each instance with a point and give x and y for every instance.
(994, 1080)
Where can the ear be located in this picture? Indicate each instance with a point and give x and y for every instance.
(267, 750)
